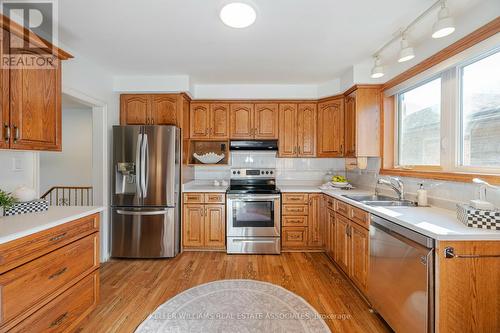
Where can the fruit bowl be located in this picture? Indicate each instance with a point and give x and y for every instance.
(209, 158)
(340, 184)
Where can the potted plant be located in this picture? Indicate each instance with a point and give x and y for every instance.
(6, 201)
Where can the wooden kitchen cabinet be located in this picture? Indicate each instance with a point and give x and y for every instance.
(297, 130)
(31, 97)
(193, 225)
(330, 133)
(342, 246)
(39, 270)
(204, 222)
(302, 225)
(359, 249)
(315, 224)
(242, 121)
(199, 121)
(219, 121)
(266, 121)
(135, 109)
(209, 121)
(330, 221)
(154, 109)
(362, 121)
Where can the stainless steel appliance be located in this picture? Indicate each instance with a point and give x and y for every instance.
(145, 218)
(269, 145)
(253, 212)
(401, 279)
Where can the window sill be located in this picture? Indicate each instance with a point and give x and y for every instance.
(447, 176)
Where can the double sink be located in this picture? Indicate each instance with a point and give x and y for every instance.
(380, 200)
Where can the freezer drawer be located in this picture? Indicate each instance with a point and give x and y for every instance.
(144, 233)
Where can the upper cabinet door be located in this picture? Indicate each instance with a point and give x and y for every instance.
(219, 121)
(288, 130)
(266, 121)
(331, 128)
(242, 121)
(35, 106)
(5, 129)
(306, 129)
(350, 126)
(163, 110)
(200, 121)
(135, 109)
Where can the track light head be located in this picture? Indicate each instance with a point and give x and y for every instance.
(378, 69)
(445, 25)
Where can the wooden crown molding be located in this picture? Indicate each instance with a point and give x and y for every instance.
(29, 36)
(447, 176)
(466, 42)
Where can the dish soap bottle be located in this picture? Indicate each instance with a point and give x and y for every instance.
(422, 196)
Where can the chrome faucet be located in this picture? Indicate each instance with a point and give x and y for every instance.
(396, 184)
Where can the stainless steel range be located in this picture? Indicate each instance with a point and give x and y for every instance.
(253, 212)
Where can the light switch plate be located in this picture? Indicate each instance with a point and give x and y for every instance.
(17, 164)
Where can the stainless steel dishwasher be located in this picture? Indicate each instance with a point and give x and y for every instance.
(401, 276)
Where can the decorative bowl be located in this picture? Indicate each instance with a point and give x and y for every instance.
(340, 184)
(209, 158)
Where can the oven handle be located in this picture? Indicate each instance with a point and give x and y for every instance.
(253, 198)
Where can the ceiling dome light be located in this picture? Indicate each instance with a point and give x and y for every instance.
(406, 52)
(238, 15)
(444, 25)
(377, 70)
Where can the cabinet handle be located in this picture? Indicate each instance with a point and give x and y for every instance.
(58, 237)
(201, 211)
(341, 148)
(16, 134)
(58, 320)
(449, 253)
(7, 132)
(59, 272)
(299, 149)
(206, 131)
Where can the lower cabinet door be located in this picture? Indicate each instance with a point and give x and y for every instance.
(215, 235)
(360, 256)
(294, 237)
(194, 225)
(316, 227)
(330, 250)
(342, 248)
(66, 311)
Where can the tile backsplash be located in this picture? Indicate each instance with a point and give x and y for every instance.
(287, 169)
(441, 193)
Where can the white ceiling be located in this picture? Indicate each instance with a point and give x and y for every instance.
(292, 41)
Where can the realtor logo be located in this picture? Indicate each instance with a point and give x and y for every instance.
(30, 47)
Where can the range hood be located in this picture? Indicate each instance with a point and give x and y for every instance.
(267, 145)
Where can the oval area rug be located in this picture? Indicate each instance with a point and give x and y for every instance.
(235, 306)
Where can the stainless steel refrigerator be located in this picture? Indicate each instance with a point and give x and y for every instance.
(145, 219)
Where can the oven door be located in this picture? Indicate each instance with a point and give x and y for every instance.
(253, 215)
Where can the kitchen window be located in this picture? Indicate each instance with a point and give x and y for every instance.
(480, 113)
(419, 125)
(449, 122)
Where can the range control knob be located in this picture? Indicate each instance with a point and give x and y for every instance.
(267, 172)
(234, 172)
(262, 172)
(239, 172)
(271, 172)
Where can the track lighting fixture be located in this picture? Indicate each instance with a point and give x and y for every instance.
(407, 52)
(378, 69)
(444, 25)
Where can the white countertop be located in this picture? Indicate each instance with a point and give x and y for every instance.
(437, 223)
(17, 226)
(203, 186)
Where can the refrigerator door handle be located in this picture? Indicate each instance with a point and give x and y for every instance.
(137, 213)
(138, 164)
(144, 165)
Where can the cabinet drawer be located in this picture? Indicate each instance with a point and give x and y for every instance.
(294, 237)
(330, 202)
(67, 310)
(295, 198)
(20, 251)
(342, 208)
(360, 217)
(215, 198)
(29, 286)
(193, 198)
(295, 210)
(294, 221)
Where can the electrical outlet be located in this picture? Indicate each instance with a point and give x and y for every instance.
(17, 164)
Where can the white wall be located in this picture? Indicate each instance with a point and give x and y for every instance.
(17, 168)
(72, 166)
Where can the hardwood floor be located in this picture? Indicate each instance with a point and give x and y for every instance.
(132, 289)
